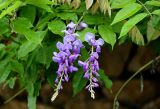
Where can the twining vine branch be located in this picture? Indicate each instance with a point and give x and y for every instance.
(115, 104)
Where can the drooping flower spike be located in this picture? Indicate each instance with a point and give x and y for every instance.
(91, 65)
(69, 51)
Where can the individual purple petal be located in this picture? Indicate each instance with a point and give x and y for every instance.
(73, 57)
(89, 36)
(94, 79)
(95, 85)
(67, 46)
(71, 25)
(59, 73)
(96, 65)
(86, 75)
(66, 78)
(61, 67)
(76, 49)
(86, 67)
(56, 59)
(78, 43)
(95, 55)
(81, 26)
(69, 38)
(98, 49)
(100, 42)
(95, 73)
(81, 63)
(72, 68)
(59, 45)
(66, 63)
(56, 80)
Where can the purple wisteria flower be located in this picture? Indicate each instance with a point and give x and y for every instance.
(82, 26)
(69, 51)
(91, 65)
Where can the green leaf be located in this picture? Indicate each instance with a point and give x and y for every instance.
(83, 32)
(107, 34)
(37, 87)
(51, 76)
(44, 20)
(4, 73)
(153, 3)
(131, 23)
(26, 48)
(17, 67)
(68, 16)
(126, 12)
(4, 4)
(4, 23)
(121, 3)
(33, 36)
(45, 53)
(152, 33)
(15, 5)
(11, 82)
(105, 79)
(156, 12)
(78, 82)
(20, 24)
(28, 12)
(136, 36)
(41, 3)
(88, 3)
(56, 26)
(94, 19)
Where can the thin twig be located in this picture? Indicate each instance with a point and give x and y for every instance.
(123, 86)
(11, 98)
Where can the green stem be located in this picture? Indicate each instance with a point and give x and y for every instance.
(11, 98)
(123, 86)
(145, 8)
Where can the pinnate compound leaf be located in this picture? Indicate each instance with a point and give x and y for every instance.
(126, 12)
(152, 33)
(105, 79)
(89, 4)
(153, 3)
(136, 36)
(107, 34)
(56, 26)
(121, 3)
(78, 82)
(131, 23)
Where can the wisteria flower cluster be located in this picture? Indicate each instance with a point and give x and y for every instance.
(91, 65)
(68, 53)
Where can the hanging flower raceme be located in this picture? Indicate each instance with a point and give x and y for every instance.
(91, 65)
(69, 51)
